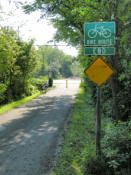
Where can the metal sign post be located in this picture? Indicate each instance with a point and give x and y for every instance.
(99, 71)
(98, 122)
(66, 83)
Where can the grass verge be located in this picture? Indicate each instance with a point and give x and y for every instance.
(7, 107)
(12, 105)
(79, 138)
(78, 148)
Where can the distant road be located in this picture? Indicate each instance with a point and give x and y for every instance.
(71, 83)
(29, 134)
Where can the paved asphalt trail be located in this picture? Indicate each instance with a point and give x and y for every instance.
(29, 134)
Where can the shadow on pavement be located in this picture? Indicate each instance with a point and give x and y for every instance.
(32, 139)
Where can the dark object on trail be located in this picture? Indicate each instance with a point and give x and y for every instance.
(42, 87)
(50, 82)
(45, 86)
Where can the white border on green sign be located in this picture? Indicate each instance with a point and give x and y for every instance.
(98, 24)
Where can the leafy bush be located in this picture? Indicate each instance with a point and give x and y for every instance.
(116, 145)
(95, 166)
(38, 83)
(30, 89)
(2, 92)
(116, 151)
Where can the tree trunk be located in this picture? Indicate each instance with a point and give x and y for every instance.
(115, 100)
(115, 65)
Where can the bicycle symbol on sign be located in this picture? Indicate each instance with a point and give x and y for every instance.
(101, 31)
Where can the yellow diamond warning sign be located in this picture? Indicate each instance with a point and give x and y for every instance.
(99, 71)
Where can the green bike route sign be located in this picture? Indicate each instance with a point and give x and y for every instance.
(99, 51)
(99, 34)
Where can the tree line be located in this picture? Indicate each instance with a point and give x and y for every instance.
(22, 65)
(17, 63)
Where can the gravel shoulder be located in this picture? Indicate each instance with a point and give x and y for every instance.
(29, 134)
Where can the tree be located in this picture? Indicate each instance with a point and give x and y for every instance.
(55, 61)
(8, 55)
(27, 62)
(18, 61)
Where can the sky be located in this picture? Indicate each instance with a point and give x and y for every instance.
(29, 26)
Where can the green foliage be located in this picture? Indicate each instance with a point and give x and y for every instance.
(94, 165)
(7, 107)
(55, 61)
(18, 60)
(2, 92)
(116, 145)
(78, 154)
(78, 143)
(76, 68)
